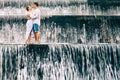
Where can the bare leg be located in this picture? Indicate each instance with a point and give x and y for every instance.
(37, 36)
(28, 40)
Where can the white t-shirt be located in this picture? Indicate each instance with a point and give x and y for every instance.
(36, 16)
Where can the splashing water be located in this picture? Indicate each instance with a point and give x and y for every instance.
(80, 25)
(74, 29)
(62, 7)
(60, 62)
(91, 27)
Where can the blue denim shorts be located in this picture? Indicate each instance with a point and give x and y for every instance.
(35, 27)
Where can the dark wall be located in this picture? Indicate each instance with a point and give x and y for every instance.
(104, 2)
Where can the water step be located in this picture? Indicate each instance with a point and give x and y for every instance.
(61, 8)
(67, 18)
(57, 62)
(59, 3)
(104, 2)
(42, 3)
(67, 29)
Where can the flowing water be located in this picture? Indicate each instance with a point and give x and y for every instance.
(61, 62)
(73, 29)
(83, 23)
(79, 41)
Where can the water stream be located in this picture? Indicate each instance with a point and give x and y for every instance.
(61, 62)
(79, 40)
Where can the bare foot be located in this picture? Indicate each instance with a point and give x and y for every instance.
(36, 42)
(27, 43)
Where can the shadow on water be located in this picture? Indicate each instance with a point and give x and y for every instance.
(37, 50)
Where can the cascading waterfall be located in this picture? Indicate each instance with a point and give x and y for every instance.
(83, 23)
(59, 7)
(61, 62)
(78, 41)
(74, 29)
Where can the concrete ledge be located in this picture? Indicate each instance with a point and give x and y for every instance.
(47, 44)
